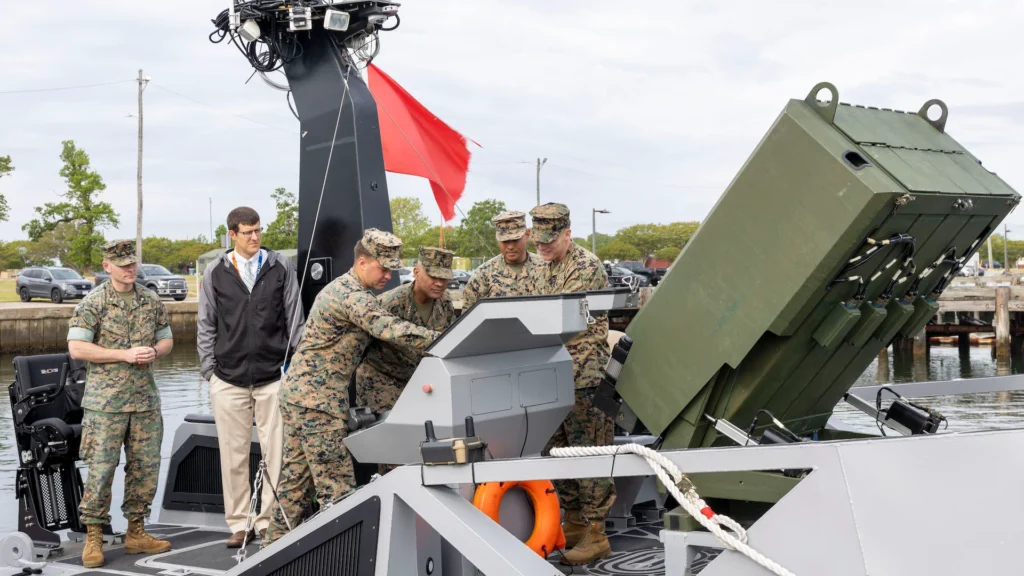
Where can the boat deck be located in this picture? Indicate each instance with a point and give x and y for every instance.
(201, 551)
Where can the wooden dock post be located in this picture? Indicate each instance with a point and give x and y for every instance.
(882, 375)
(964, 342)
(921, 343)
(1002, 321)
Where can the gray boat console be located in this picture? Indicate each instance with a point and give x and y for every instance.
(502, 363)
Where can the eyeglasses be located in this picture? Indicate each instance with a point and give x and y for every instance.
(250, 233)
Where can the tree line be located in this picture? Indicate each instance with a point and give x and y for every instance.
(474, 236)
(71, 231)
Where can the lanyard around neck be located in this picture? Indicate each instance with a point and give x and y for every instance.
(259, 263)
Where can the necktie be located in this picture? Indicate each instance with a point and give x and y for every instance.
(248, 274)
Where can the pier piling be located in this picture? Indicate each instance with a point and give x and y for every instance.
(1002, 321)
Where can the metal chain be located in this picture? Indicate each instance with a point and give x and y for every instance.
(585, 310)
(250, 518)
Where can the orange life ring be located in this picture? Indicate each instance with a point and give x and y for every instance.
(547, 533)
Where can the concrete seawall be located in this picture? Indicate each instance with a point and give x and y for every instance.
(36, 327)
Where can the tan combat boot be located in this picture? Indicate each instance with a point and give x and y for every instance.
(593, 546)
(92, 555)
(138, 541)
(574, 526)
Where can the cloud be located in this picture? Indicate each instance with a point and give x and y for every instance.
(647, 110)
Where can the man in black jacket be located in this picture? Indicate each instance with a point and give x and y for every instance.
(250, 320)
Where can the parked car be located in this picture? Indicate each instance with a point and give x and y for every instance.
(156, 278)
(405, 275)
(54, 283)
(619, 276)
(459, 279)
(653, 274)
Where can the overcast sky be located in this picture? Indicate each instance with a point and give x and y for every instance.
(644, 109)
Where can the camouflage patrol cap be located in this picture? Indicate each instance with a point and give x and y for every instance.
(510, 225)
(548, 220)
(437, 262)
(120, 252)
(384, 246)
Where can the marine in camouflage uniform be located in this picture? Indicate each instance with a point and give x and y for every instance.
(511, 273)
(586, 501)
(386, 367)
(314, 392)
(121, 402)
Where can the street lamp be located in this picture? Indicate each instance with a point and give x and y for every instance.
(593, 235)
(540, 164)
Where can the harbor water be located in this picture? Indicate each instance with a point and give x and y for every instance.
(183, 391)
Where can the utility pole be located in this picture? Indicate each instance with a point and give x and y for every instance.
(539, 164)
(593, 234)
(211, 221)
(990, 251)
(143, 82)
(1006, 240)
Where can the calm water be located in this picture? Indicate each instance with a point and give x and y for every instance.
(183, 392)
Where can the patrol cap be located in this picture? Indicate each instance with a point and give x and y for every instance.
(548, 220)
(437, 262)
(120, 252)
(384, 246)
(510, 225)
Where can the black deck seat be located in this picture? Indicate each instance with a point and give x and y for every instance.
(46, 405)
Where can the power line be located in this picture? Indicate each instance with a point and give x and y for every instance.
(64, 87)
(636, 182)
(218, 110)
(516, 160)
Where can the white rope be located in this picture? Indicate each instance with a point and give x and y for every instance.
(682, 489)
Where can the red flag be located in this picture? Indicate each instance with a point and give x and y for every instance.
(417, 143)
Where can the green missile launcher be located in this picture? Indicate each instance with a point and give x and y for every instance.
(837, 235)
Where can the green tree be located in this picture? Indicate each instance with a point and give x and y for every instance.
(21, 254)
(602, 241)
(475, 234)
(409, 222)
(618, 250)
(677, 234)
(283, 232)
(57, 244)
(1014, 250)
(5, 168)
(219, 233)
(429, 237)
(157, 250)
(649, 238)
(646, 238)
(668, 253)
(80, 208)
(174, 253)
(189, 251)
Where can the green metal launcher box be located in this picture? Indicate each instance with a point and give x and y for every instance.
(837, 236)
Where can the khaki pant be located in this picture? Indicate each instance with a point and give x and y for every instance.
(233, 408)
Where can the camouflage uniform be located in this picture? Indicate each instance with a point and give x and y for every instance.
(387, 368)
(499, 278)
(122, 404)
(314, 391)
(578, 271)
